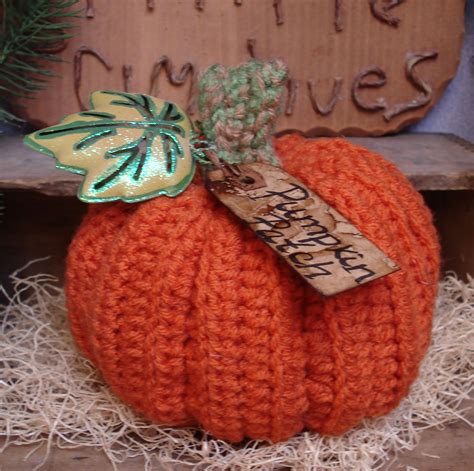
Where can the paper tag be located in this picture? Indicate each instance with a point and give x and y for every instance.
(315, 239)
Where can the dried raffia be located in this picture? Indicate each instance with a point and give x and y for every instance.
(52, 396)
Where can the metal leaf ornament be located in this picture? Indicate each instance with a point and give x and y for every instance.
(129, 147)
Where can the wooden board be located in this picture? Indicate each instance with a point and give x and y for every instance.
(327, 44)
(449, 449)
(430, 161)
(454, 219)
(47, 231)
(32, 227)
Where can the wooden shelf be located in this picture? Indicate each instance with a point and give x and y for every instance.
(448, 449)
(430, 161)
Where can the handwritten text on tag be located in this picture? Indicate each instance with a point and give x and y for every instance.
(316, 240)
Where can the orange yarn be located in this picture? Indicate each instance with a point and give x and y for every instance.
(192, 319)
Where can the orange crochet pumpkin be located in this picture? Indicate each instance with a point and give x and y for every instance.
(193, 320)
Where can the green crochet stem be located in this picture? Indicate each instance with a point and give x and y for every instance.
(239, 107)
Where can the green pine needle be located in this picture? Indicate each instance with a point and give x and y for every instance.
(30, 33)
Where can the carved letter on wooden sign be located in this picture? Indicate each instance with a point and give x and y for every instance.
(338, 24)
(381, 12)
(127, 72)
(420, 100)
(336, 92)
(292, 85)
(78, 70)
(90, 9)
(362, 81)
(188, 69)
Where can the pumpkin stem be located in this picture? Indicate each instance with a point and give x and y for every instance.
(239, 107)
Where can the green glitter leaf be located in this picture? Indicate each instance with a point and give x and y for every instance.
(129, 146)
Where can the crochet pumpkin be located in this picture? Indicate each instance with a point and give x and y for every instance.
(193, 320)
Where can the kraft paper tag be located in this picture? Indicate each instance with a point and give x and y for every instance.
(317, 241)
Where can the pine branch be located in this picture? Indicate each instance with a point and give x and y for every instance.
(31, 34)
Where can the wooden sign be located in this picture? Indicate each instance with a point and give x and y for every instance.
(357, 67)
(317, 241)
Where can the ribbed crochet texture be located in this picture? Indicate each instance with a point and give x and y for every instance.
(193, 320)
(239, 107)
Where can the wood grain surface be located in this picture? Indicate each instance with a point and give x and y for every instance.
(430, 161)
(448, 449)
(354, 64)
